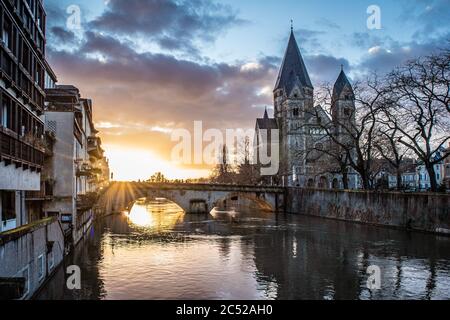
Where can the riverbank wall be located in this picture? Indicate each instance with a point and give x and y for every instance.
(28, 257)
(426, 212)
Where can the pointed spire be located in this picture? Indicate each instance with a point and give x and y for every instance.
(266, 115)
(292, 25)
(341, 82)
(293, 70)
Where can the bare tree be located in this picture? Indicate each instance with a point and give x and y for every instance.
(223, 172)
(352, 138)
(329, 158)
(158, 177)
(247, 173)
(389, 148)
(435, 74)
(418, 109)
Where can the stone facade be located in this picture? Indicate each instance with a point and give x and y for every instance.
(78, 166)
(428, 212)
(191, 197)
(301, 124)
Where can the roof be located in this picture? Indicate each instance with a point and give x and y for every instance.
(293, 70)
(266, 123)
(341, 83)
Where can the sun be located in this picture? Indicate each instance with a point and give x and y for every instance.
(136, 164)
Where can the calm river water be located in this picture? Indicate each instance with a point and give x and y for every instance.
(158, 252)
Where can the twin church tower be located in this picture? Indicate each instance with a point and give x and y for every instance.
(301, 124)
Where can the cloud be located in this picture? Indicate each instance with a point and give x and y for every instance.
(152, 89)
(174, 25)
(365, 40)
(323, 22)
(160, 86)
(325, 68)
(141, 94)
(431, 18)
(385, 57)
(308, 39)
(61, 35)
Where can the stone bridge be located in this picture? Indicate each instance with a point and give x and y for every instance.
(192, 198)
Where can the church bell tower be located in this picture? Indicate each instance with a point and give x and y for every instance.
(293, 97)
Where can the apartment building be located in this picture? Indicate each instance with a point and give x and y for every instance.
(31, 245)
(446, 170)
(76, 166)
(22, 102)
(423, 177)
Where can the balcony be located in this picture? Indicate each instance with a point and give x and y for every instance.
(84, 169)
(94, 148)
(87, 201)
(26, 152)
(44, 194)
(49, 142)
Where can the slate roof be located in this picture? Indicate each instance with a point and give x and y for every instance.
(340, 84)
(266, 123)
(293, 70)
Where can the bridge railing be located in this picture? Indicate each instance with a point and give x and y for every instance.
(202, 185)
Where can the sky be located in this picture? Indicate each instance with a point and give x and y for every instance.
(153, 66)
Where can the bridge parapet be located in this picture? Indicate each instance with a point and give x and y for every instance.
(191, 197)
(210, 187)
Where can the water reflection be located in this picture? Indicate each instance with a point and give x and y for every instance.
(158, 252)
(158, 215)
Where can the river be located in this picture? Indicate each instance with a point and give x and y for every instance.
(157, 252)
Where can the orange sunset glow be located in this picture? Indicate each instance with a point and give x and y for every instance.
(223, 158)
(130, 164)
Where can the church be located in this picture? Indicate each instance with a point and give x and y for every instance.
(304, 128)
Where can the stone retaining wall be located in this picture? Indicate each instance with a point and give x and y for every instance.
(423, 211)
(30, 254)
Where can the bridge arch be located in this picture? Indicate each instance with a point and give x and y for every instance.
(192, 198)
(240, 199)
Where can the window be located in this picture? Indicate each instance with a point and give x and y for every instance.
(316, 131)
(7, 33)
(347, 112)
(8, 205)
(41, 266)
(40, 18)
(51, 260)
(26, 57)
(37, 77)
(25, 273)
(5, 113)
(295, 112)
(49, 189)
(26, 123)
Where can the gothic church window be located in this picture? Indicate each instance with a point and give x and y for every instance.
(348, 97)
(296, 112)
(347, 112)
(316, 131)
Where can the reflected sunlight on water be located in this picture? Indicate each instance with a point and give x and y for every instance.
(140, 216)
(157, 215)
(159, 252)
